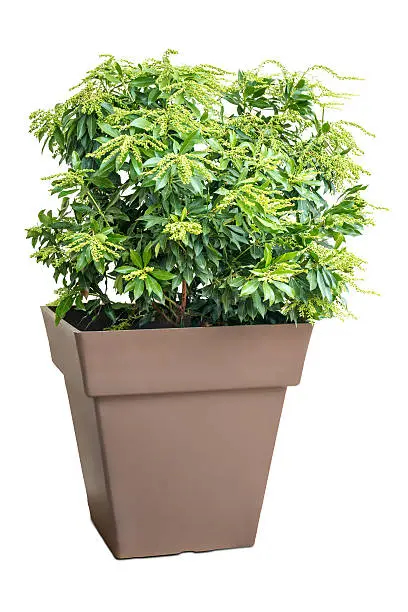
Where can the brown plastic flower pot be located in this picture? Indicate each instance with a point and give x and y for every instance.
(176, 428)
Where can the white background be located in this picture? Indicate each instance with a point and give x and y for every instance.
(333, 534)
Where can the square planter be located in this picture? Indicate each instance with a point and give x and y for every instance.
(176, 428)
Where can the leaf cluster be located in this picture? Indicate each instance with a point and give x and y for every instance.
(195, 196)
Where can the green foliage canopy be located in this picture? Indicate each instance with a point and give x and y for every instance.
(195, 196)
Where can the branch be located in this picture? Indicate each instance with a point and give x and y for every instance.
(160, 312)
(183, 300)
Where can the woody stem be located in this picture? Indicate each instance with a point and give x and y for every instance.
(183, 303)
(162, 313)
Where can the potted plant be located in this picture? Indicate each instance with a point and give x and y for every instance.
(200, 233)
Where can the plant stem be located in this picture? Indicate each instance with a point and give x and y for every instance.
(172, 307)
(183, 300)
(162, 313)
(98, 207)
(242, 253)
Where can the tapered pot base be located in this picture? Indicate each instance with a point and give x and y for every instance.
(181, 467)
(187, 472)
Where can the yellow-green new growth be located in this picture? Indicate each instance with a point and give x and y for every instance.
(142, 273)
(122, 146)
(99, 244)
(246, 194)
(178, 230)
(69, 179)
(186, 165)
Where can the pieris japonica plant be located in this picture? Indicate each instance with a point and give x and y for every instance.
(192, 196)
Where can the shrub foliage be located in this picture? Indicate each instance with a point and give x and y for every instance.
(199, 197)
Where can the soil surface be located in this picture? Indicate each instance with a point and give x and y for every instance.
(100, 322)
(83, 322)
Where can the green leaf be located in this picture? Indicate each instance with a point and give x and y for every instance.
(268, 292)
(110, 313)
(118, 284)
(196, 185)
(153, 95)
(125, 269)
(99, 265)
(102, 182)
(79, 303)
(226, 300)
(285, 288)
(120, 160)
(82, 260)
(162, 274)
(236, 282)
(138, 289)
(108, 129)
(324, 289)
(153, 286)
(91, 126)
(106, 167)
(267, 255)
(142, 81)
(136, 259)
(214, 144)
(287, 256)
(190, 141)
(142, 123)
(136, 165)
(147, 255)
(188, 275)
(130, 285)
(81, 127)
(63, 306)
(258, 303)
(339, 240)
(249, 287)
(267, 223)
(75, 160)
(59, 138)
(162, 181)
(194, 109)
(311, 277)
(151, 162)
